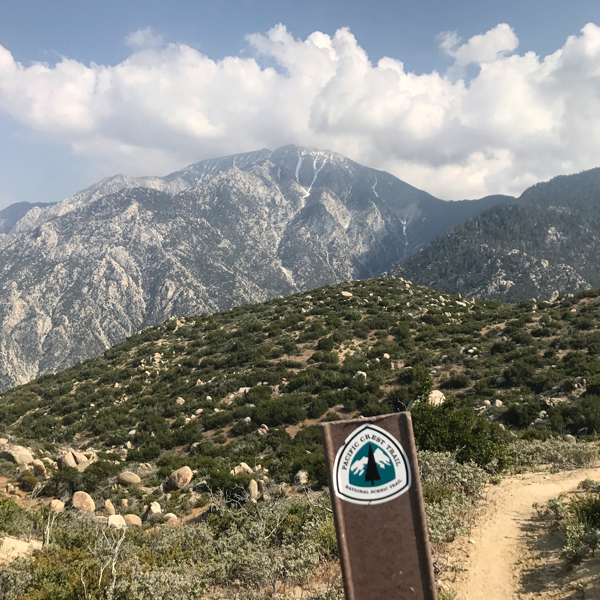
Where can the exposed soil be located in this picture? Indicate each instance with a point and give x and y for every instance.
(513, 555)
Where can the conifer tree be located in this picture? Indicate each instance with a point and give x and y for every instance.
(372, 473)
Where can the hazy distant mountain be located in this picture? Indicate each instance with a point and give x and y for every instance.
(10, 215)
(126, 253)
(546, 243)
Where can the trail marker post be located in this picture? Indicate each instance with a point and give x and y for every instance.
(378, 509)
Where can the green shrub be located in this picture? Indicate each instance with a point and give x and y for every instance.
(447, 428)
(27, 481)
(284, 410)
(455, 381)
(326, 344)
(317, 408)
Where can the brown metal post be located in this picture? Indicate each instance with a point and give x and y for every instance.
(378, 509)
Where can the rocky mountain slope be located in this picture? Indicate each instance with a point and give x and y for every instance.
(546, 243)
(12, 214)
(126, 253)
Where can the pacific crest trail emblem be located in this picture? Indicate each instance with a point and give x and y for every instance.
(371, 467)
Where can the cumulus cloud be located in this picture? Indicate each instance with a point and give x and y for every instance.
(144, 38)
(483, 48)
(523, 118)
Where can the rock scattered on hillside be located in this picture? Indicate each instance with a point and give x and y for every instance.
(83, 501)
(180, 478)
(253, 490)
(117, 521)
(109, 508)
(133, 520)
(128, 478)
(301, 477)
(17, 454)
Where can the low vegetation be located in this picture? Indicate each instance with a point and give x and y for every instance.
(578, 519)
(491, 387)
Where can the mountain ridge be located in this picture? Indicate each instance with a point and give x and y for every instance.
(544, 244)
(127, 253)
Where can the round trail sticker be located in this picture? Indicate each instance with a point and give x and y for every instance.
(371, 467)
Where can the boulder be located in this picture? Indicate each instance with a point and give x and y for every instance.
(13, 548)
(301, 477)
(82, 466)
(117, 521)
(180, 401)
(180, 478)
(128, 478)
(570, 439)
(347, 294)
(253, 490)
(79, 457)
(109, 508)
(66, 460)
(154, 510)
(124, 503)
(360, 374)
(39, 468)
(132, 520)
(17, 454)
(263, 430)
(436, 398)
(57, 506)
(83, 501)
(498, 403)
(170, 517)
(241, 468)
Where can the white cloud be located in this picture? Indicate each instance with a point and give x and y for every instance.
(484, 48)
(144, 38)
(521, 119)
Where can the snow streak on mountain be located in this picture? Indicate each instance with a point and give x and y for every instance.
(126, 253)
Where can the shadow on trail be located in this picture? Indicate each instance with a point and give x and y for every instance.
(546, 574)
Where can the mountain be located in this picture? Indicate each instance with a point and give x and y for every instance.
(126, 253)
(544, 244)
(10, 215)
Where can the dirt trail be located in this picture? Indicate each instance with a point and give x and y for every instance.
(500, 552)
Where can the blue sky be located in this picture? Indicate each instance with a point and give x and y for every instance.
(455, 117)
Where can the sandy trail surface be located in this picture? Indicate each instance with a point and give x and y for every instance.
(509, 556)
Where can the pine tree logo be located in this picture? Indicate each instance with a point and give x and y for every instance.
(372, 473)
(371, 467)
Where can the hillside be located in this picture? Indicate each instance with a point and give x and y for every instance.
(78, 277)
(546, 243)
(207, 424)
(364, 347)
